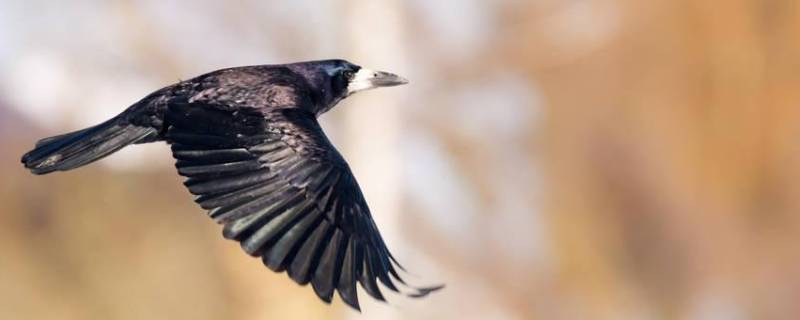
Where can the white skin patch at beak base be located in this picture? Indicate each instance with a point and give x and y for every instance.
(361, 81)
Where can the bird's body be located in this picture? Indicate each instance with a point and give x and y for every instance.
(248, 141)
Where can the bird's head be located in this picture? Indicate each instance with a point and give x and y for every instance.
(338, 79)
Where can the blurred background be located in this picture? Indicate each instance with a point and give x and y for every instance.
(573, 159)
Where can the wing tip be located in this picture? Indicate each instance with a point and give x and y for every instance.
(424, 291)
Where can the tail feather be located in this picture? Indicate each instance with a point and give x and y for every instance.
(75, 149)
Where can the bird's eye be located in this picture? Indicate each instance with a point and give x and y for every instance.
(348, 74)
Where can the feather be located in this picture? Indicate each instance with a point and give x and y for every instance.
(233, 212)
(306, 259)
(327, 273)
(283, 249)
(213, 156)
(228, 184)
(277, 220)
(347, 280)
(368, 277)
(195, 141)
(212, 201)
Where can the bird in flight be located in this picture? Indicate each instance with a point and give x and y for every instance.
(248, 143)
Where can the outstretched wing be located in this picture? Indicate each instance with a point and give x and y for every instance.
(284, 192)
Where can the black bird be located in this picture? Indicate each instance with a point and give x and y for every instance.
(249, 144)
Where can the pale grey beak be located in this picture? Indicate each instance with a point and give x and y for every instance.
(366, 79)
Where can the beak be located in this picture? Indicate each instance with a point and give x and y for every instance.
(366, 79)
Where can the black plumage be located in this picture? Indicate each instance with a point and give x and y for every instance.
(248, 143)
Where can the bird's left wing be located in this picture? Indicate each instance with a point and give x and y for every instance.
(284, 192)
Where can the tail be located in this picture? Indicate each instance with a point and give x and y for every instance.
(75, 149)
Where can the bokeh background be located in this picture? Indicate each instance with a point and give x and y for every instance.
(573, 159)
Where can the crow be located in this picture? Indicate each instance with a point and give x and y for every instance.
(248, 143)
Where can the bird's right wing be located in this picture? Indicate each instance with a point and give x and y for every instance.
(284, 192)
